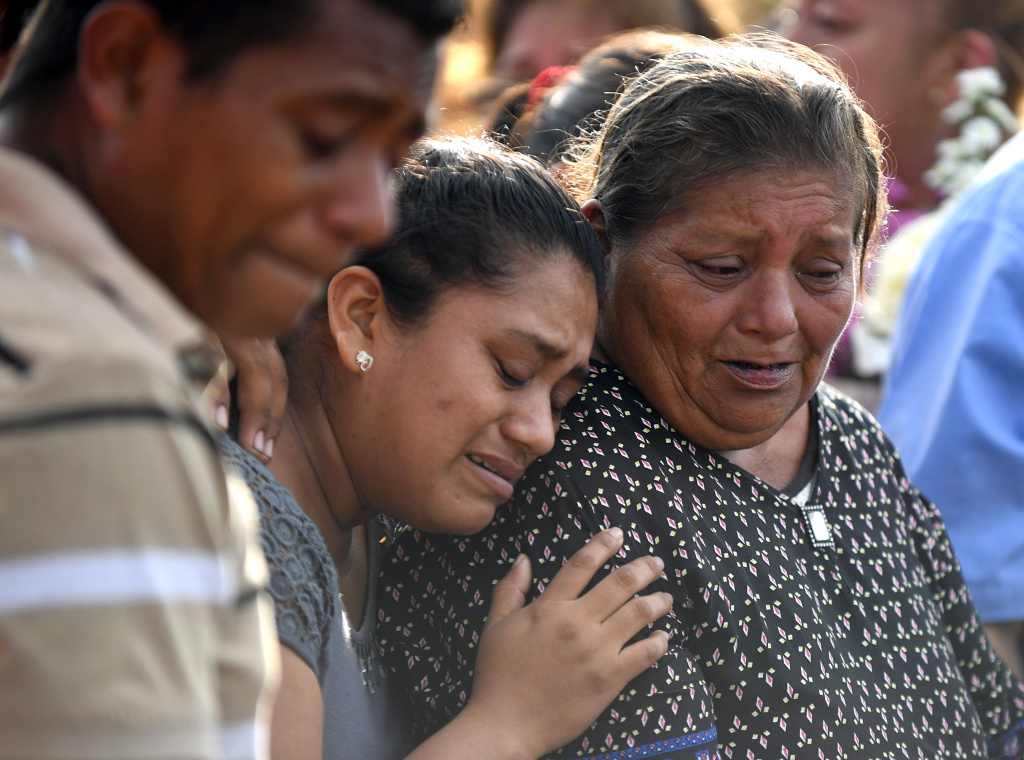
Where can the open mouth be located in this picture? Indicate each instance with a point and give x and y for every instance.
(762, 376)
(492, 477)
(478, 461)
(751, 367)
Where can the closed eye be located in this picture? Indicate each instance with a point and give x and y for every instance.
(718, 270)
(319, 147)
(824, 279)
(721, 271)
(512, 381)
(826, 275)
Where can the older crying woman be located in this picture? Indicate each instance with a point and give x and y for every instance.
(819, 608)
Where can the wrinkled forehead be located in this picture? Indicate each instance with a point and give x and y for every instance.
(847, 184)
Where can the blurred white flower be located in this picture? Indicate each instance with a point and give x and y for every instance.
(984, 122)
(951, 149)
(1001, 112)
(957, 111)
(980, 83)
(980, 135)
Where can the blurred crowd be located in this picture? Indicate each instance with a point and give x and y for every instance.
(511, 379)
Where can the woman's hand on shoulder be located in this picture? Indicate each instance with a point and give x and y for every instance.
(262, 393)
(547, 670)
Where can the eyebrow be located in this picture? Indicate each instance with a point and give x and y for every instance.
(837, 242)
(580, 373)
(358, 101)
(372, 106)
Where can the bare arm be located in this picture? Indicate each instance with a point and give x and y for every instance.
(546, 671)
(297, 722)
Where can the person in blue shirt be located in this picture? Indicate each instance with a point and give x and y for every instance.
(954, 402)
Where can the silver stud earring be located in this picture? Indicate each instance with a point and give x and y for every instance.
(364, 360)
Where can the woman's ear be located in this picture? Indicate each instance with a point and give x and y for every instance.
(594, 212)
(967, 49)
(356, 313)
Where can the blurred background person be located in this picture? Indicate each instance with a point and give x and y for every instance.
(510, 42)
(902, 58)
(954, 402)
(576, 102)
(527, 36)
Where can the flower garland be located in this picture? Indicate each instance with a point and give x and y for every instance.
(985, 121)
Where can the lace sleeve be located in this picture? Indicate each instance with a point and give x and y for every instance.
(303, 581)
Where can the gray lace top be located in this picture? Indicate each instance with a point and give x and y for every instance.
(363, 716)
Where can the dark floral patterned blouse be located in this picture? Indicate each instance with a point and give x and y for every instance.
(839, 630)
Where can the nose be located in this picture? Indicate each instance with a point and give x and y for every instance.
(531, 424)
(358, 207)
(770, 310)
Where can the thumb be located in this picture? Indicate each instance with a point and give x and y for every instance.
(510, 591)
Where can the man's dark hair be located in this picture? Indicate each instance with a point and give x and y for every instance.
(213, 32)
(13, 15)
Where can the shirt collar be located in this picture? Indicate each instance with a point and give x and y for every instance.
(46, 209)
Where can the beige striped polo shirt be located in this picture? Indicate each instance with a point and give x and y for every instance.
(132, 624)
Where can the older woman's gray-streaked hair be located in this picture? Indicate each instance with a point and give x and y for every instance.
(721, 109)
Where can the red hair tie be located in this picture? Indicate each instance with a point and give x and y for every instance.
(545, 80)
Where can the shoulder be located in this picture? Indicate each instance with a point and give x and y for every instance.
(303, 581)
(844, 410)
(854, 446)
(89, 445)
(608, 414)
(51, 313)
(72, 360)
(842, 417)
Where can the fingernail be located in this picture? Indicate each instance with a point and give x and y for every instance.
(519, 560)
(669, 598)
(659, 562)
(220, 416)
(269, 451)
(257, 442)
(616, 533)
(663, 634)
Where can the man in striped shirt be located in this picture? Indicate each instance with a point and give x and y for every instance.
(166, 167)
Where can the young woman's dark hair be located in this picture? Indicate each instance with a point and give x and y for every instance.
(470, 213)
(213, 31)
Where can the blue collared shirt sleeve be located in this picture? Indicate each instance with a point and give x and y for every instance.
(955, 397)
